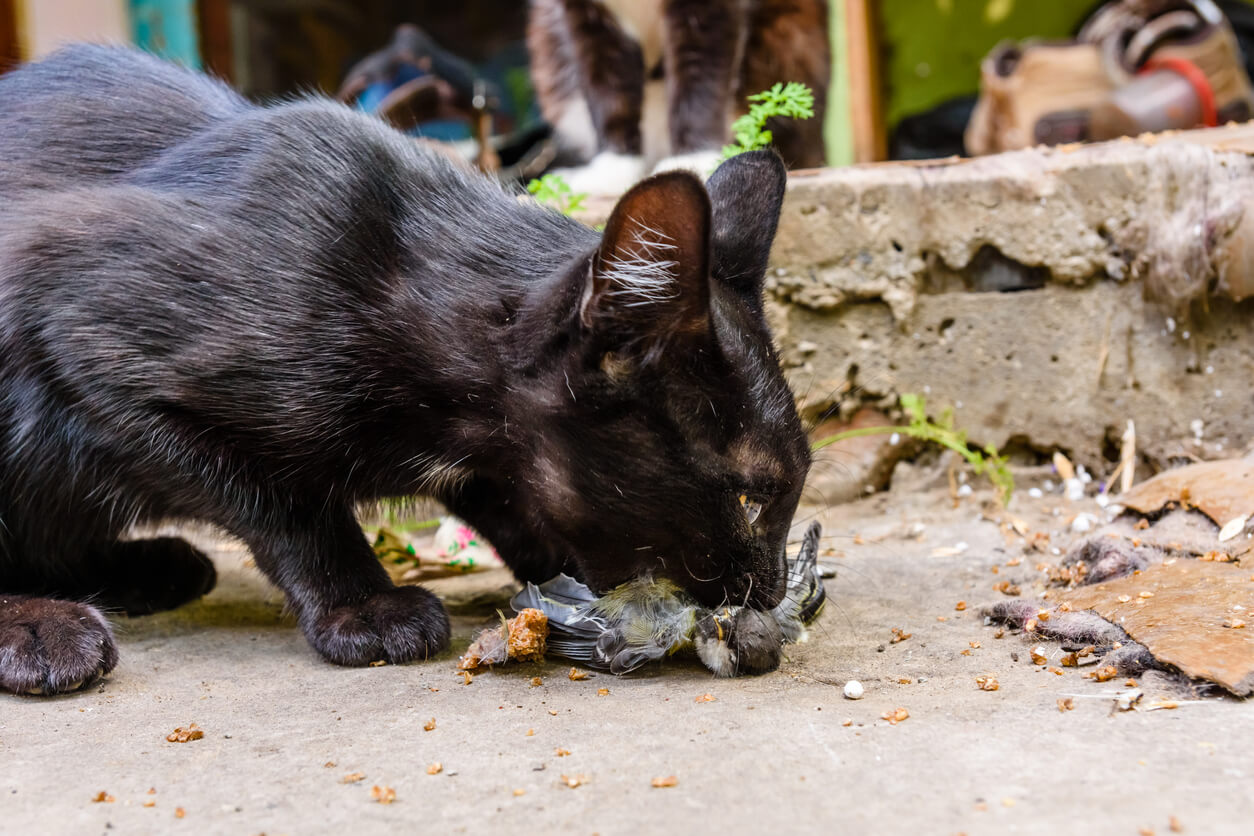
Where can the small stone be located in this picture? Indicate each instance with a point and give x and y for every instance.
(854, 690)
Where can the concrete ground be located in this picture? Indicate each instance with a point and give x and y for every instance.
(784, 752)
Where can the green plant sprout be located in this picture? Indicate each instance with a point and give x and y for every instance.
(552, 190)
(793, 100)
(942, 432)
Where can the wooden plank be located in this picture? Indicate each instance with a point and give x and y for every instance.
(10, 49)
(866, 105)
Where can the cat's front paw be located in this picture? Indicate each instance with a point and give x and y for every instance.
(700, 163)
(396, 625)
(607, 173)
(51, 647)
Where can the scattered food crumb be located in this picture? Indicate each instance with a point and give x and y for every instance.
(848, 722)
(974, 645)
(1056, 671)
(1145, 594)
(327, 765)
(1234, 623)
(183, 735)
(577, 675)
(531, 732)
(854, 690)
(1174, 825)
(149, 804)
(899, 636)
(536, 682)
(574, 781)
(706, 698)
(895, 716)
(554, 713)
(378, 663)
(603, 692)
(960, 606)
(987, 683)
(668, 781)
(561, 753)
(519, 792)
(1123, 599)
(1038, 655)
(352, 778)
(102, 797)
(1105, 674)
(1066, 704)
(384, 795)
(467, 678)
(429, 725)
(435, 768)
(179, 812)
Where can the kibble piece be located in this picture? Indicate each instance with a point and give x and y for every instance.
(668, 781)
(574, 781)
(577, 675)
(435, 768)
(352, 778)
(1066, 704)
(706, 698)
(1038, 655)
(102, 797)
(895, 716)
(183, 735)
(960, 606)
(1105, 674)
(536, 682)
(429, 725)
(383, 795)
(603, 692)
(987, 683)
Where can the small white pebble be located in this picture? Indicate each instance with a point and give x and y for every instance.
(1075, 489)
(894, 439)
(1082, 523)
(1171, 325)
(965, 490)
(1035, 493)
(853, 690)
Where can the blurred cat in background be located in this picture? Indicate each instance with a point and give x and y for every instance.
(633, 86)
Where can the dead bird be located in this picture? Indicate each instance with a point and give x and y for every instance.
(647, 619)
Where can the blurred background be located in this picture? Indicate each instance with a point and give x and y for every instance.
(905, 73)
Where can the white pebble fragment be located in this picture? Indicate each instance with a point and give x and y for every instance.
(853, 690)
(1082, 523)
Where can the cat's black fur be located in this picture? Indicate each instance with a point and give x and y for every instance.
(262, 317)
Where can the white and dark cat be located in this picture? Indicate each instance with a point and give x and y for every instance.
(633, 86)
(260, 317)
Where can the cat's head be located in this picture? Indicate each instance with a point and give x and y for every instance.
(671, 442)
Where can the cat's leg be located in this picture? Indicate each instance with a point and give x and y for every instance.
(50, 646)
(347, 606)
(704, 48)
(611, 70)
(139, 577)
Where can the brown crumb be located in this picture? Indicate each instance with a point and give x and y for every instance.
(561, 753)
(467, 678)
(102, 797)
(519, 792)
(848, 722)
(895, 716)
(960, 606)
(179, 812)
(1000, 633)
(941, 618)
(1131, 683)
(905, 680)
(1174, 825)
(1038, 655)
(1007, 588)
(531, 732)
(1066, 704)
(1087, 650)
(577, 675)
(536, 682)
(1029, 626)
(668, 781)
(378, 663)
(149, 804)
(554, 713)
(1105, 674)
(1146, 831)
(1065, 606)
(899, 636)
(1014, 561)
(574, 781)
(153, 790)
(603, 692)
(1069, 660)
(429, 725)
(987, 683)
(1042, 615)
(435, 768)
(384, 795)
(1234, 623)
(974, 645)
(352, 778)
(1141, 524)
(1056, 671)
(183, 735)
(327, 765)
(706, 698)
(965, 652)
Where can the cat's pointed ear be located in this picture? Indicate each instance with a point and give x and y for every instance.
(650, 277)
(747, 192)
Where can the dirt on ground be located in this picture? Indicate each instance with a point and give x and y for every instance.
(959, 730)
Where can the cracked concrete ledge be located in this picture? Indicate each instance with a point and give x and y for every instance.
(1133, 263)
(1134, 266)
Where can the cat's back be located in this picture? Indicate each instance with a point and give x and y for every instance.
(89, 113)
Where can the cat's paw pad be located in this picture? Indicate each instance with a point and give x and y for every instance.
(51, 647)
(397, 625)
(700, 163)
(147, 576)
(607, 173)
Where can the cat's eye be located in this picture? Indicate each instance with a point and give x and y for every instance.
(751, 507)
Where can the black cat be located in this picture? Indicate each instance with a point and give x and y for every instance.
(261, 317)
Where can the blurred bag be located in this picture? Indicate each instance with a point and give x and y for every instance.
(1137, 65)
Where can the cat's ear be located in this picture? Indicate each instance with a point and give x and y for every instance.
(650, 277)
(746, 192)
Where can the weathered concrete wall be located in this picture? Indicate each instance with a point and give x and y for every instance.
(1131, 259)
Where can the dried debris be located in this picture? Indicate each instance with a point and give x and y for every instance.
(895, 716)
(668, 781)
(383, 795)
(987, 683)
(184, 735)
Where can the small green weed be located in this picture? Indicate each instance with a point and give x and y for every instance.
(554, 191)
(793, 100)
(942, 432)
